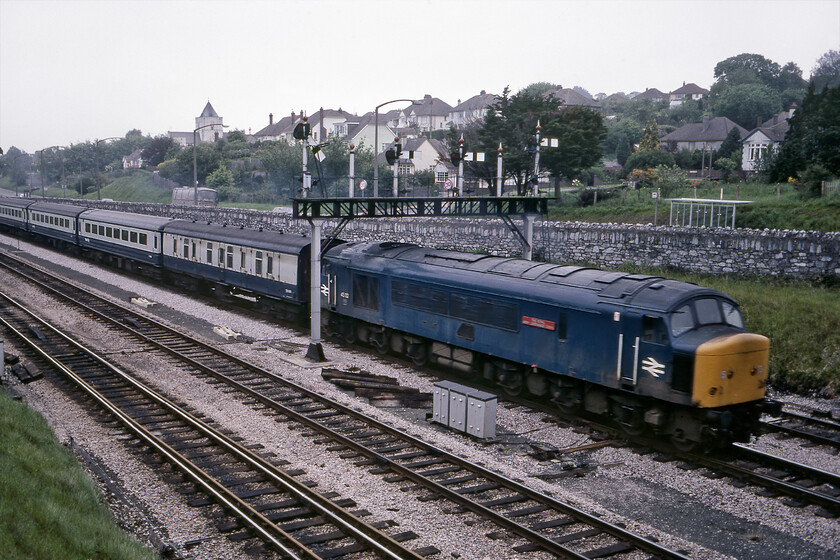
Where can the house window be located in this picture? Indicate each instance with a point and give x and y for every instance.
(757, 151)
(441, 176)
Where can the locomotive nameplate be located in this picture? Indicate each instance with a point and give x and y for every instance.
(539, 323)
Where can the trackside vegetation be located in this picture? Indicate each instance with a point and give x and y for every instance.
(49, 508)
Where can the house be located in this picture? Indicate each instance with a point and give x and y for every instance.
(276, 131)
(211, 128)
(323, 123)
(473, 110)
(767, 137)
(134, 160)
(571, 98)
(427, 115)
(653, 94)
(362, 131)
(708, 134)
(687, 91)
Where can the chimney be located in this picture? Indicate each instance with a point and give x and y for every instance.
(270, 119)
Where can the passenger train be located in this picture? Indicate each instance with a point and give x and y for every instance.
(654, 355)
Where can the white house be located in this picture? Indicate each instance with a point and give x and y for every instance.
(764, 139)
(687, 91)
(134, 160)
(473, 110)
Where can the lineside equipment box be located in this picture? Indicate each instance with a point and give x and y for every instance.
(464, 409)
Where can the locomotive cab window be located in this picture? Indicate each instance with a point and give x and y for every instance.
(653, 330)
(682, 320)
(732, 315)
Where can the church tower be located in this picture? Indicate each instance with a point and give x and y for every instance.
(212, 122)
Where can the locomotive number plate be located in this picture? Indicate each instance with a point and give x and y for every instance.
(539, 323)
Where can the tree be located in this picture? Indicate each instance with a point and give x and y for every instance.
(813, 138)
(580, 133)
(746, 104)
(730, 144)
(156, 150)
(827, 71)
(623, 150)
(648, 160)
(753, 68)
(650, 138)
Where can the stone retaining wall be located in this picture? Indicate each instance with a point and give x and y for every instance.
(799, 254)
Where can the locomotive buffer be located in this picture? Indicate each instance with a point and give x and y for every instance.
(317, 210)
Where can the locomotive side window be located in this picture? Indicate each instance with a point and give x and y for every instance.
(562, 326)
(494, 313)
(653, 330)
(733, 315)
(419, 297)
(682, 320)
(366, 292)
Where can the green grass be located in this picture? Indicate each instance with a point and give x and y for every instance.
(779, 206)
(48, 508)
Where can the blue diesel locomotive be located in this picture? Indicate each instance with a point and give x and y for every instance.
(651, 353)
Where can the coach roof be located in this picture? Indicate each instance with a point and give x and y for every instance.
(126, 219)
(258, 239)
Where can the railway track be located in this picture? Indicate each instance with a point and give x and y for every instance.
(262, 498)
(535, 521)
(815, 429)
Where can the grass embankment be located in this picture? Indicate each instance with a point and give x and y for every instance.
(48, 507)
(777, 206)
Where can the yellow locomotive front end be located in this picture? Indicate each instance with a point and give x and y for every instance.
(730, 369)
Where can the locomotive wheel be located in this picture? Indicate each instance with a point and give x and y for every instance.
(680, 443)
(419, 354)
(379, 341)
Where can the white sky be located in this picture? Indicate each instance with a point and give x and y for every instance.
(72, 70)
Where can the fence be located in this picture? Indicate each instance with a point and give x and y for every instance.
(701, 212)
(830, 188)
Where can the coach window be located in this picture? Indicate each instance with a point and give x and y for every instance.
(108, 232)
(366, 292)
(102, 231)
(133, 236)
(269, 264)
(194, 252)
(258, 263)
(221, 256)
(144, 239)
(229, 256)
(241, 258)
(186, 248)
(174, 247)
(125, 235)
(209, 252)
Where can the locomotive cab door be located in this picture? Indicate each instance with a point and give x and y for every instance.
(643, 351)
(629, 347)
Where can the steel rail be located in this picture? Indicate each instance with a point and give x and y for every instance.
(257, 521)
(541, 540)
